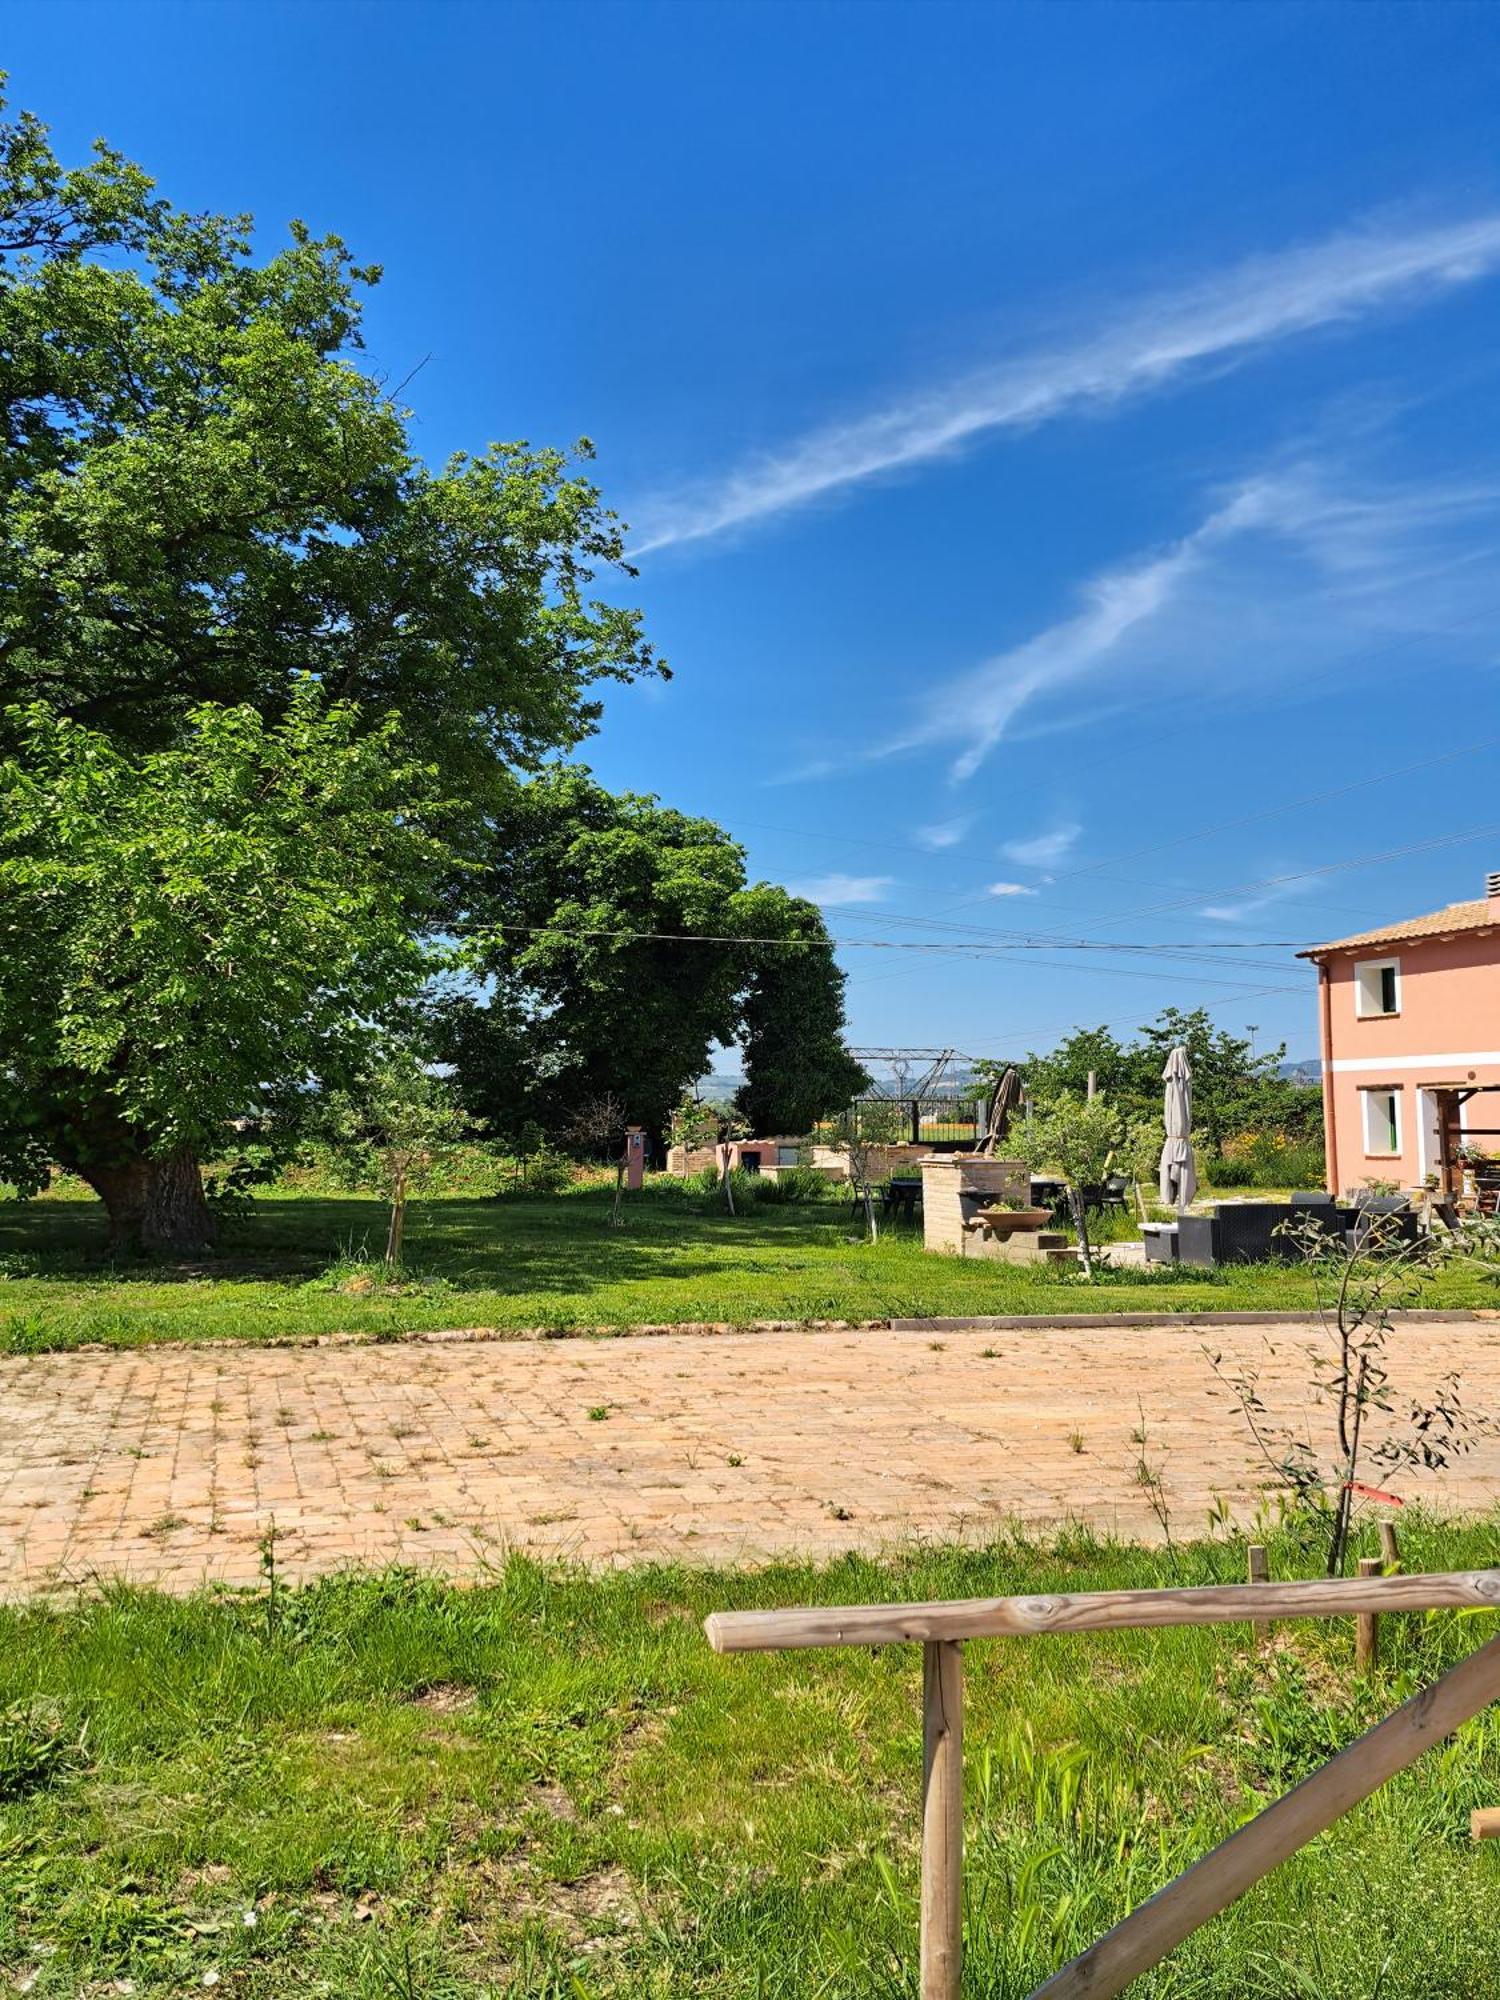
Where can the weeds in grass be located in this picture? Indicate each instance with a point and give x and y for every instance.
(36, 1748)
(744, 1829)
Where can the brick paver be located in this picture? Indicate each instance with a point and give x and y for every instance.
(169, 1464)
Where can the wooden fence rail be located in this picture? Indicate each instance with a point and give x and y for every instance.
(1145, 1937)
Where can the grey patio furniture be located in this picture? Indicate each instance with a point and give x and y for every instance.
(1238, 1232)
(1160, 1239)
(1393, 1214)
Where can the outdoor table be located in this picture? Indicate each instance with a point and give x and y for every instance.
(902, 1194)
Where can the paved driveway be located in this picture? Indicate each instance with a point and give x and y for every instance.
(169, 1465)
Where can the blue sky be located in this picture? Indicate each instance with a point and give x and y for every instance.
(1060, 442)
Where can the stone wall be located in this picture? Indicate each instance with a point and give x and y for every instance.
(685, 1160)
(897, 1158)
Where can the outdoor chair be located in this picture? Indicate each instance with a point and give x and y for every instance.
(1115, 1193)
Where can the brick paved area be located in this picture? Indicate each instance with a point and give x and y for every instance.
(168, 1465)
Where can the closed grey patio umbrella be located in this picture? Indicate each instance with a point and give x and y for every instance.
(1002, 1109)
(1178, 1175)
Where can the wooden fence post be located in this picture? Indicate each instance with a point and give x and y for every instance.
(942, 1818)
(1260, 1569)
(1390, 1548)
(1367, 1624)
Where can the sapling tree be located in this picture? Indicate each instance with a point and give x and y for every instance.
(695, 1123)
(1137, 1156)
(595, 1129)
(1076, 1137)
(1359, 1283)
(859, 1129)
(395, 1129)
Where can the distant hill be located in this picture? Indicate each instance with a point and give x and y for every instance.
(718, 1087)
(1309, 1070)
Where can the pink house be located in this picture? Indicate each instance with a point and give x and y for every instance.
(1411, 1045)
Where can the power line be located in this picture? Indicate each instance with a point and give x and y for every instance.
(1045, 941)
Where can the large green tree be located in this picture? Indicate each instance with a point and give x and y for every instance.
(797, 1067)
(208, 502)
(619, 943)
(173, 944)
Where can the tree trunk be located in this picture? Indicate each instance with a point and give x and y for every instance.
(397, 1228)
(1081, 1223)
(155, 1206)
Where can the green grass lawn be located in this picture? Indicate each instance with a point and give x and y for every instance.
(548, 1786)
(553, 1262)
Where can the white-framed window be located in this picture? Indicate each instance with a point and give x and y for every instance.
(1377, 988)
(1382, 1122)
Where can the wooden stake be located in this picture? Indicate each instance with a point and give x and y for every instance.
(942, 1819)
(1367, 1624)
(1484, 1823)
(1237, 1864)
(1390, 1548)
(1260, 1569)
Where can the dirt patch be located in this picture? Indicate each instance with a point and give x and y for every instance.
(445, 1698)
(607, 1896)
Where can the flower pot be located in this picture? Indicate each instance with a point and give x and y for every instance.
(1013, 1221)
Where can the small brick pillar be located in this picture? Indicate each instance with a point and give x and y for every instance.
(635, 1156)
(947, 1176)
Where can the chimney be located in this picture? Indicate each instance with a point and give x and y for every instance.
(1492, 885)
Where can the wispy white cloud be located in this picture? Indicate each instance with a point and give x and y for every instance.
(1043, 850)
(944, 833)
(1009, 889)
(1217, 322)
(1272, 891)
(1294, 572)
(835, 890)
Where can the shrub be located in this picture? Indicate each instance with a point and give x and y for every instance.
(542, 1172)
(744, 1187)
(792, 1184)
(1264, 1159)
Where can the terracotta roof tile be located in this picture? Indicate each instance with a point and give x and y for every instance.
(1481, 915)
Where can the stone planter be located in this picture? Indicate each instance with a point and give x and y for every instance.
(1013, 1221)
